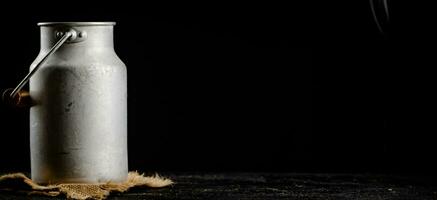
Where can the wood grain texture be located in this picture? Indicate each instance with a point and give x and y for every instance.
(281, 186)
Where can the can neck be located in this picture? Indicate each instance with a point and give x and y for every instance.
(99, 36)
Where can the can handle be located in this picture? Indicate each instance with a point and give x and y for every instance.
(70, 33)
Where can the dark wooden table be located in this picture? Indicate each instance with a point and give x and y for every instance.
(281, 186)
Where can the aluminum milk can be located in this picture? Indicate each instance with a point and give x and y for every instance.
(78, 117)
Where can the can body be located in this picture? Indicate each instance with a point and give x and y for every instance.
(78, 123)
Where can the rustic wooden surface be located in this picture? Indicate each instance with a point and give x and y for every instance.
(281, 186)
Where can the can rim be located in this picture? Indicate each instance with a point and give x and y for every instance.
(76, 23)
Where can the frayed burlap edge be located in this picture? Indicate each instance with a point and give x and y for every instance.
(20, 183)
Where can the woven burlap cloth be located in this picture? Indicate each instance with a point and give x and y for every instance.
(18, 182)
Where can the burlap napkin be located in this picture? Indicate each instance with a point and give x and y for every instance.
(20, 183)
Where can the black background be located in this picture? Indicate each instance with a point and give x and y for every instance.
(298, 87)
